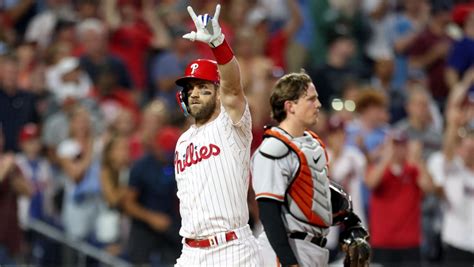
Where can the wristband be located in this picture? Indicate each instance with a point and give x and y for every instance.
(223, 53)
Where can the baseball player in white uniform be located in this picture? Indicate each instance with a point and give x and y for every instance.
(297, 201)
(212, 157)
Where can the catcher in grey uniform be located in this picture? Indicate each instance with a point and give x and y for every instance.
(297, 201)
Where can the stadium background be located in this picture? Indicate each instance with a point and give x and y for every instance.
(88, 116)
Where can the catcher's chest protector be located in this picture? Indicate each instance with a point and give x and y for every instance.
(308, 196)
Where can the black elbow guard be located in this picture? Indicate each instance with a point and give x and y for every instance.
(341, 203)
(343, 214)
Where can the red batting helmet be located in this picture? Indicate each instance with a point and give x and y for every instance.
(203, 69)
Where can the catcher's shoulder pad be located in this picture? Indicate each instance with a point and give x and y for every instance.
(273, 148)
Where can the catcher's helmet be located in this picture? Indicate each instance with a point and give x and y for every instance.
(202, 69)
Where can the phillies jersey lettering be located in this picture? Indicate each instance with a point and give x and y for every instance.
(194, 156)
(212, 174)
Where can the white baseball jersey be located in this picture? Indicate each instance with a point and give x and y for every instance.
(212, 175)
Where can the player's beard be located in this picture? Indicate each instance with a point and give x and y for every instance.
(204, 113)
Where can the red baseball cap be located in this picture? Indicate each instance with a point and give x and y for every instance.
(28, 132)
(461, 12)
(202, 69)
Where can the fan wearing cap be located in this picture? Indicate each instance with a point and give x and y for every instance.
(453, 169)
(211, 159)
(398, 181)
(37, 171)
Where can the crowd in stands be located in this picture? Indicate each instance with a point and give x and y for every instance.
(89, 120)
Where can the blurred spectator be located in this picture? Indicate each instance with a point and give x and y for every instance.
(37, 172)
(16, 14)
(12, 185)
(79, 160)
(348, 164)
(420, 126)
(134, 31)
(17, 107)
(154, 117)
(39, 206)
(152, 204)
(56, 125)
(368, 130)
(124, 124)
(57, 51)
(404, 30)
(382, 80)
(347, 169)
(332, 75)
(429, 50)
(96, 56)
(461, 56)
(166, 140)
(457, 231)
(114, 179)
(41, 27)
(67, 81)
(383, 73)
(397, 182)
(258, 76)
(379, 14)
(169, 65)
(275, 41)
(348, 13)
(256, 68)
(112, 98)
(453, 170)
(298, 47)
(86, 9)
(65, 32)
(28, 63)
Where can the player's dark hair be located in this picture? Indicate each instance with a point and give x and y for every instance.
(289, 87)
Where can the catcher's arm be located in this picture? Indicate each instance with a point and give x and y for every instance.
(354, 237)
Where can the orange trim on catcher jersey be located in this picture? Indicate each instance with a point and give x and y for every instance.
(301, 189)
(270, 195)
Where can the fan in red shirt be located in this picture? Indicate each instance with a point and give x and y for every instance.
(275, 42)
(135, 30)
(397, 181)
